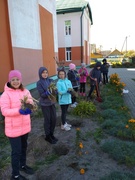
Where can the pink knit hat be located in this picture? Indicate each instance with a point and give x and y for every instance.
(14, 73)
(72, 66)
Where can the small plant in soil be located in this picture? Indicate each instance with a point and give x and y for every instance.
(84, 109)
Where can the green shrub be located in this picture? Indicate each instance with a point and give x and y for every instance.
(124, 134)
(98, 135)
(108, 124)
(109, 113)
(84, 109)
(111, 99)
(124, 65)
(116, 127)
(118, 176)
(121, 151)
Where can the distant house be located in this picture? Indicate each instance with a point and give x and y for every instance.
(95, 56)
(28, 38)
(105, 53)
(74, 20)
(115, 54)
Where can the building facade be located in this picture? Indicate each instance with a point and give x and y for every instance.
(74, 20)
(28, 33)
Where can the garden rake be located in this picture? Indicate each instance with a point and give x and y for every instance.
(99, 99)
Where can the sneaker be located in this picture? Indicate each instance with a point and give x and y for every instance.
(69, 125)
(73, 105)
(27, 169)
(19, 177)
(65, 127)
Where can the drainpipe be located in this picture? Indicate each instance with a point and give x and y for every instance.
(82, 34)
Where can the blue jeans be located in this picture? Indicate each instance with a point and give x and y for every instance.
(18, 154)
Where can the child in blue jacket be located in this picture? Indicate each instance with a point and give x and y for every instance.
(64, 97)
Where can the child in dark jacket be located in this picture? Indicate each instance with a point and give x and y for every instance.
(95, 79)
(47, 106)
(73, 76)
(104, 70)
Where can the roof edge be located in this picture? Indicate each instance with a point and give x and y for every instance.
(68, 10)
(78, 9)
(90, 13)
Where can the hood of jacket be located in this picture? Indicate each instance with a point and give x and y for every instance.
(41, 69)
(8, 88)
(98, 64)
(44, 81)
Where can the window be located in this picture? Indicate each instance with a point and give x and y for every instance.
(67, 28)
(68, 54)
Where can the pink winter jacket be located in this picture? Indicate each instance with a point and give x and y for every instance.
(83, 75)
(15, 123)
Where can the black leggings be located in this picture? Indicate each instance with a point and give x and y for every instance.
(18, 154)
(92, 89)
(49, 113)
(105, 77)
(64, 109)
(82, 87)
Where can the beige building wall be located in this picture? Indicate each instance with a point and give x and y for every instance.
(31, 37)
(74, 41)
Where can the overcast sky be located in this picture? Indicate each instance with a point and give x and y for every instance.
(113, 21)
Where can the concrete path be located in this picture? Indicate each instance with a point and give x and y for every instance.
(127, 75)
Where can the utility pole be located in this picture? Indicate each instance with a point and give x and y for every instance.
(125, 42)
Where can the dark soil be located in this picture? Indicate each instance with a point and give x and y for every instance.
(62, 161)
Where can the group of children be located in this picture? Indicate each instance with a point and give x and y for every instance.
(17, 119)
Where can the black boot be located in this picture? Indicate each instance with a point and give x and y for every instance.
(54, 138)
(50, 140)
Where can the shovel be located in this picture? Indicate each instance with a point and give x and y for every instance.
(99, 99)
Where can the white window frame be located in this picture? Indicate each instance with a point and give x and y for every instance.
(67, 27)
(68, 53)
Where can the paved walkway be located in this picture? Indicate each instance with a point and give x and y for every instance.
(126, 76)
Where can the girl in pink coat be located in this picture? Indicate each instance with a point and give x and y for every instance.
(17, 122)
(83, 77)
